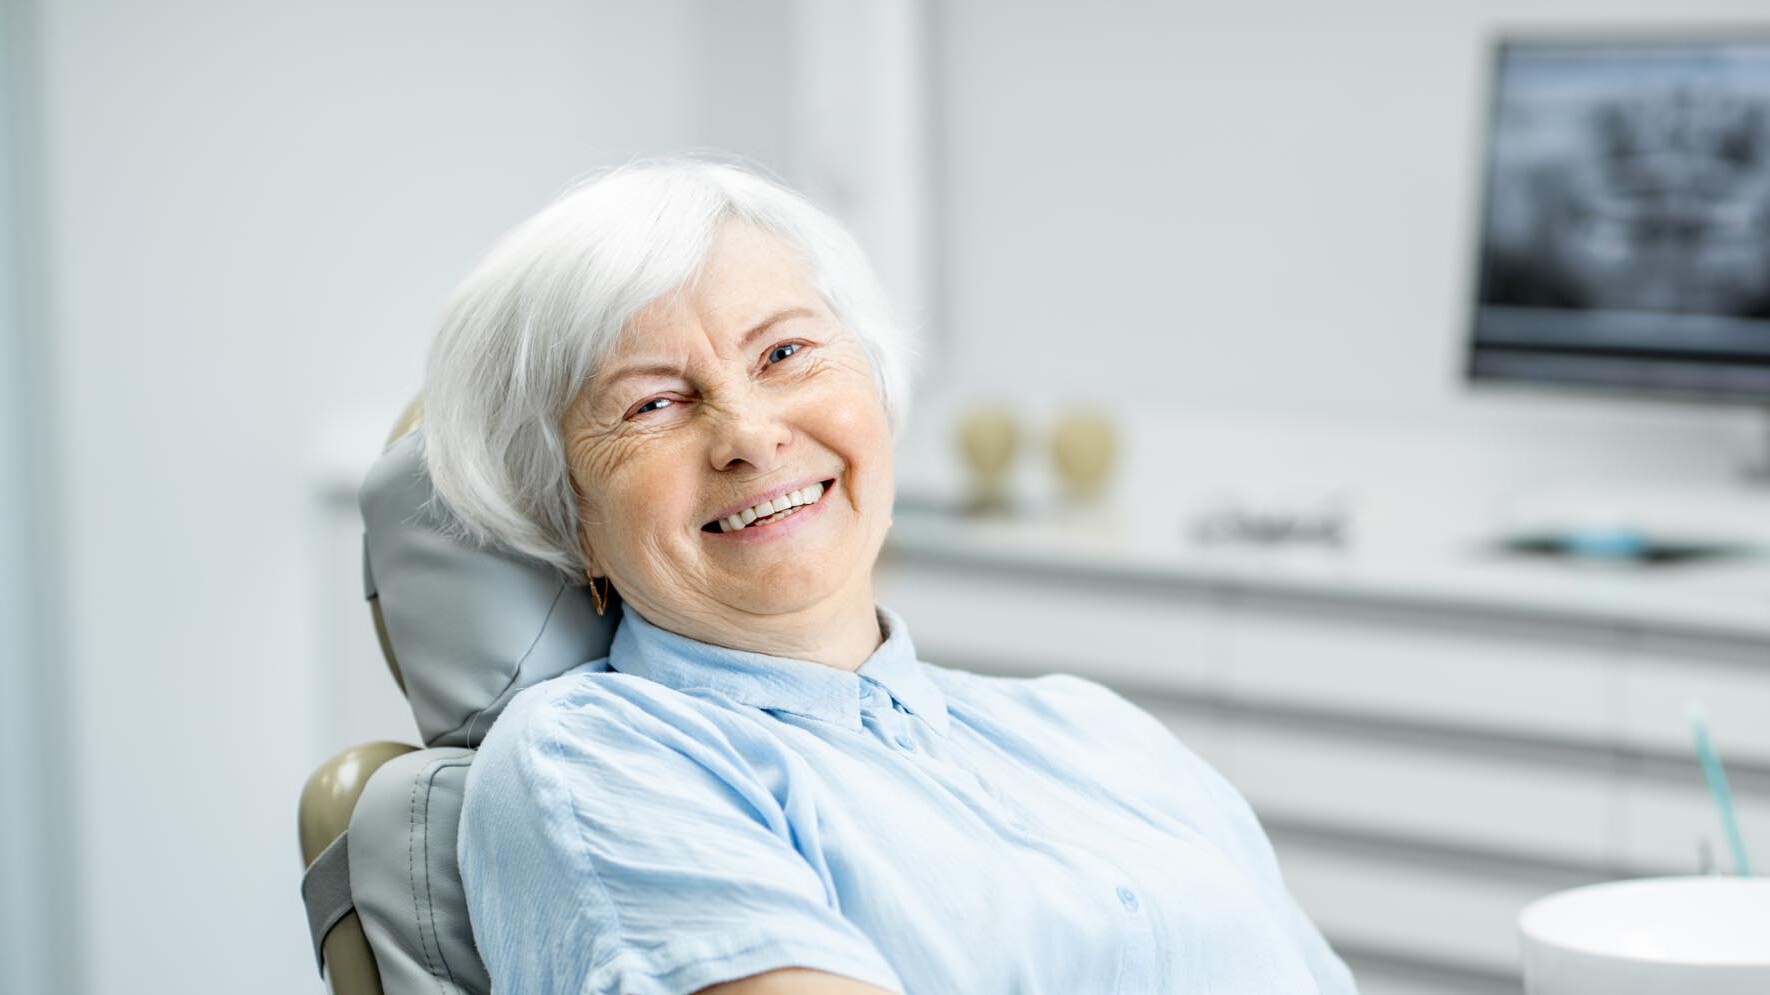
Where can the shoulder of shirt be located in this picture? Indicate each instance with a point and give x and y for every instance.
(557, 738)
(1054, 690)
(535, 713)
(1090, 710)
(1054, 682)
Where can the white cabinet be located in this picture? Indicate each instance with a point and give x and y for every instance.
(1667, 820)
(1031, 623)
(1417, 667)
(1731, 678)
(1666, 824)
(1438, 794)
(1462, 917)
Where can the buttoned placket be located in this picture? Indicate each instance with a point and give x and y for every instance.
(1136, 974)
(1137, 963)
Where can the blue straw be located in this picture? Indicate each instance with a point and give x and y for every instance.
(1717, 778)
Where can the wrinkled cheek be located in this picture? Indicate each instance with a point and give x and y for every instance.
(610, 481)
(870, 484)
(645, 556)
(604, 462)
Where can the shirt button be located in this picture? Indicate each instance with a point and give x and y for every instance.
(905, 741)
(1128, 899)
(866, 691)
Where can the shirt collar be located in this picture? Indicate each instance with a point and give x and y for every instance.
(777, 683)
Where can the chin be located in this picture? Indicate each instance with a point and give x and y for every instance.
(789, 587)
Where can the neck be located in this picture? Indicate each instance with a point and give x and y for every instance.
(841, 631)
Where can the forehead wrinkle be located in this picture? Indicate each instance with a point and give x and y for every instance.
(712, 294)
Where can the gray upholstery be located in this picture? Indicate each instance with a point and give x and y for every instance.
(325, 890)
(469, 627)
(404, 880)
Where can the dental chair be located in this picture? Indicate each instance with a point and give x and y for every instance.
(463, 629)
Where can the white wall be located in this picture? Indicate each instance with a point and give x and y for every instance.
(257, 213)
(1259, 211)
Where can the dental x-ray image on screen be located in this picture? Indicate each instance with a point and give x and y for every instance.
(1626, 237)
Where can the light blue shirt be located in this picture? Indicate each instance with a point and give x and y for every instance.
(681, 814)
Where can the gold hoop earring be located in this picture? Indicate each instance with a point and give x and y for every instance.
(599, 595)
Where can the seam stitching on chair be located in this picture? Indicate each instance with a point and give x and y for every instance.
(412, 881)
(435, 934)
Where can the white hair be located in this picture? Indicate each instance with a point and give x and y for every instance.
(523, 333)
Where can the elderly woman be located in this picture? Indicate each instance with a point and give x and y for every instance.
(680, 382)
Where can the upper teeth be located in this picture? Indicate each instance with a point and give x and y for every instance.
(791, 499)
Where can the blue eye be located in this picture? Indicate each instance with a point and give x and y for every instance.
(656, 400)
(795, 346)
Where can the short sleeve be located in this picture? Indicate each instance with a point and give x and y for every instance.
(614, 840)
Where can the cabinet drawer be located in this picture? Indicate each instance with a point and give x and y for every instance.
(1035, 624)
(1419, 791)
(1502, 675)
(1732, 681)
(1664, 825)
(1452, 915)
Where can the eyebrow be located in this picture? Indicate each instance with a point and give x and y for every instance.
(666, 369)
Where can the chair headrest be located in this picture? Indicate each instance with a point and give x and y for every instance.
(464, 627)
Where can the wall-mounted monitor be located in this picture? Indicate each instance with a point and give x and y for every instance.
(1625, 236)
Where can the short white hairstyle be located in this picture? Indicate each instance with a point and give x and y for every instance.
(526, 329)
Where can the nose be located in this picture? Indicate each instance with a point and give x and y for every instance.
(751, 432)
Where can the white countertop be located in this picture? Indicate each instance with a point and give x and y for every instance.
(1728, 598)
(1424, 507)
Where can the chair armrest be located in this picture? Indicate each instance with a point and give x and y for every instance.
(327, 801)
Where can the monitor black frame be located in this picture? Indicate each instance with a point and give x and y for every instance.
(1497, 44)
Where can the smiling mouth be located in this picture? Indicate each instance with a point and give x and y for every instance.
(715, 526)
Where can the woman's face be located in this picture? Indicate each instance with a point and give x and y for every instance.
(741, 386)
